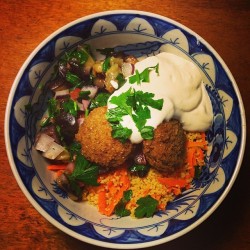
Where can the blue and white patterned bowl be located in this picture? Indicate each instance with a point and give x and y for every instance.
(140, 34)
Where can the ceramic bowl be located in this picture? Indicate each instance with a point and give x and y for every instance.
(140, 34)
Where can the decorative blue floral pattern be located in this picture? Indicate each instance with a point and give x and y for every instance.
(141, 35)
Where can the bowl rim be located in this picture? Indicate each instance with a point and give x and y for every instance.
(85, 238)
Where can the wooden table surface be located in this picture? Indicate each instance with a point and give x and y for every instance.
(24, 24)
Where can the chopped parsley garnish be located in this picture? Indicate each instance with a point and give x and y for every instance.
(147, 207)
(59, 133)
(120, 208)
(100, 100)
(120, 79)
(84, 171)
(73, 79)
(139, 169)
(121, 133)
(71, 107)
(81, 54)
(74, 149)
(106, 64)
(144, 75)
(52, 111)
(135, 104)
(84, 95)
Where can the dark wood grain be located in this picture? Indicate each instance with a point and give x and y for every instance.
(24, 24)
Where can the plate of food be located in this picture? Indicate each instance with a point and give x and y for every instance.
(125, 129)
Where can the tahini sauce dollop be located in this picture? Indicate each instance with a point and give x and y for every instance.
(179, 84)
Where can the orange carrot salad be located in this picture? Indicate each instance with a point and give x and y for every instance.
(123, 191)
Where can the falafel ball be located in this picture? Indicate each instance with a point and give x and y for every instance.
(167, 150)
(98, 145)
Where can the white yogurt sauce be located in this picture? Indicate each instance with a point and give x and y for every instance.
(179, 84)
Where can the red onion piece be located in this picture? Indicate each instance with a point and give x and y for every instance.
(80, 120)
(70, 167)
(43, 142)
(80, 105)
(93, 90)
(85, 104)
(54, 150)
(61, 92)
(127, 69)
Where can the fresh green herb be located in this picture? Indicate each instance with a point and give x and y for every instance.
(135, 104)
(41, 86)
(74, 187)
(86, 113)
(135, 78)
(58, 130)
(52, 112)
(100, 100)
(52, 107)
(147, 132)
(121, 80)
(139, 169)
(45, 122)
(106, 64)
(73, 79)
(115, 115)
(81, 54)
(86, 47)
(123, 101)
(144, 75)
(74, 149)
(146, 99)
(120, 208)
(147, 207)
(120, 132)
(84, 171)
(71, 107)
(84, 95)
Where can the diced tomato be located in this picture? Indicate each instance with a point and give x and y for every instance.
(74, 94)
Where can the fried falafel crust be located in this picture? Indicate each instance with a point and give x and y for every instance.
(98, 145)
(167, 150)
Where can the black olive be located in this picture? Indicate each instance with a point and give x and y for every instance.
(140, 159)
(62, 69)
(75, 67)
(68, 126)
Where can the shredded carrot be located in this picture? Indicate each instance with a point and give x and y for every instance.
(172, 182)
(195, 157)
(176, 191)
(110, 189)
(162, 206)
(59, 172)
(56, 167)
(202, 144)
(74, 94)
(101, 200)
